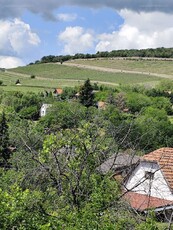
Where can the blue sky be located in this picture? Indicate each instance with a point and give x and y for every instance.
(33, 29)
(97, 20)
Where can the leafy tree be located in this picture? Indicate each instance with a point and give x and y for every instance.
(4, 139)
(68, 93)
(63, 115)
(86, 96)
(154, 129)
(75, 193)
(162, 103)
(31, 112)
(137, 101)
(111, 98)
(58, 178)
(26, 104)
(17, 81)
(120, 101)
(22, 209)
(101, 95)
(25, 131)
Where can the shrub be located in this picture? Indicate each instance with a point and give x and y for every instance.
(17, 81)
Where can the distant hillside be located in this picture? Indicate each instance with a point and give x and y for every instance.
(152, 66)
(103, 71)
(154, 53)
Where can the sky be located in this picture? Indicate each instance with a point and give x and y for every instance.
(31, 29)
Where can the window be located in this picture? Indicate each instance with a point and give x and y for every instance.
(149, 175)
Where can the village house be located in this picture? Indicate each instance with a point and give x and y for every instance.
(150, 184)
(43, 110)
(101, 105)
(119, 164)
(147, 182)
(58, 91)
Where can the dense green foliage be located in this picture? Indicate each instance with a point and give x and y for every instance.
(63, 115)
(53, 181)
(158, 53)
(86, 95)
(4, 140)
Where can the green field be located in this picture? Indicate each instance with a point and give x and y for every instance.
(50, 76)
(28, 84)
(56, 71)
(142, 65)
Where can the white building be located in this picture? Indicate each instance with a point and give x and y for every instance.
(43, 110)
(150, 185)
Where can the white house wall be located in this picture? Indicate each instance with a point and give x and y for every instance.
(43, 110)
(156, 187)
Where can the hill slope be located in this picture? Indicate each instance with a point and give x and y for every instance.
(73, 73)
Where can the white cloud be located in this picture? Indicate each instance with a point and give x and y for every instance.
(10, 62)
(66, 17)
(17, 41)
(76, 40)
(16, 38)
(140, 30)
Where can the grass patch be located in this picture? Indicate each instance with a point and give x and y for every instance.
(51, 76)
(34, 85)
(56, 71)
(142, 65)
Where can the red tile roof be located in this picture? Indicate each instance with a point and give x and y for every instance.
(164, 158)
(59, 91)
(101, 104)
(142, 202)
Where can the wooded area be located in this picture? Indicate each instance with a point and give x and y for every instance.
(150, 53)
(49, 165)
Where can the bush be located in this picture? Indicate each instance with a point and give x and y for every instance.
(17, 81)
(1, 82)
(30, 112)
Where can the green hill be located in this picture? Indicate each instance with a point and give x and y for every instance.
(109, 72)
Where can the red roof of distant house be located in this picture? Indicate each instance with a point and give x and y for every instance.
(142, 202)
(164, 158)
(101, 104)
(58, 91)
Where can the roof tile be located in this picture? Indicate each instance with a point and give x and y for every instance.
(142, 202)
(164, 158)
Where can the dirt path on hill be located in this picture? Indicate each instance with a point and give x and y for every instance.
(112, 70)
(10, 73)
(97, 68)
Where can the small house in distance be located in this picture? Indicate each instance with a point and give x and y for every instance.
(58, 91)
(43, 110)
(18, 82)
(101, 105)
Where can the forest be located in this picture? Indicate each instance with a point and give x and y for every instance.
(48, 165)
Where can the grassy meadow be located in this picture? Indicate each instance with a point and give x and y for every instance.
(35, 85)
(141, 65)
(50, 76)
